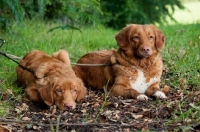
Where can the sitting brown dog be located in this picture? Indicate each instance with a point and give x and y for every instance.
(50, 79)
(136, 67)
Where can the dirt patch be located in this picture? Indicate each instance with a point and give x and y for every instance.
(98, 114)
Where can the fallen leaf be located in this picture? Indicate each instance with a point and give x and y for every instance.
(146, 110)
(53, 109)
(115, 105)
(10, 91)
(96, 104)
(116, 117)
(83, 111)
(108, 103)
(73, 130)
(26, 119)
(137, 116)
(126, 130)
(18, 111)
(107, 113)
(196, 107)
(36, 128)
(5, 129)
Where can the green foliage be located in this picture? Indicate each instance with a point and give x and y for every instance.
(10, 10)
(33, 8)
(118, 13)
(74, 13)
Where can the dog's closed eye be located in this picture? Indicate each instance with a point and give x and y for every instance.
(59, 90)
(74, 90)
(136, 38)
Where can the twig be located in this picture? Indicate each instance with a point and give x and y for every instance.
(105, 99)
(58, 123)
(133, 125)
(66, 124)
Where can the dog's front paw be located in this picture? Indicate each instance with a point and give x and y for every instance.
(160, 94)
(142, 97)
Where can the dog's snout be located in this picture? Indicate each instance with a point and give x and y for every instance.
(145, 49)
(68, 105)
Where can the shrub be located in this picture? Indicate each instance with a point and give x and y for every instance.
(118, 13)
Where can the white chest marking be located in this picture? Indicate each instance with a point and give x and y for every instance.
(140, 83)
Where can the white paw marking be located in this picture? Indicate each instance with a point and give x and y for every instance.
(142, 97)
(160, 94)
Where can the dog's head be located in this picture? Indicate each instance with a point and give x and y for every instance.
(140, 41)
(63, 92)
(62, 89)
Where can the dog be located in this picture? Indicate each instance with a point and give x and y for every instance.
(135, 68)
(50, 79)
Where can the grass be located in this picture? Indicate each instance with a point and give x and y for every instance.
(181, 57)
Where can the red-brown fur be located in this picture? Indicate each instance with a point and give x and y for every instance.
(53, 81)
(136, 57)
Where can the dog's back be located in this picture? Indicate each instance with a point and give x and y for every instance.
(95, 76)
(31, 62)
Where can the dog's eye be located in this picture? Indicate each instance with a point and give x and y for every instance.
(73, 90)
(136, 37)
(150, 37)
(59, 90)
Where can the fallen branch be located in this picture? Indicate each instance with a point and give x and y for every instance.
(80, 125)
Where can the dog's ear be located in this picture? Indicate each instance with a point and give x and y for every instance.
(46, 94)
(122, 38)
(160, 39)
(82, 91)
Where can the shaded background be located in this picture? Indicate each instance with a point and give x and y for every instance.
(114, 14)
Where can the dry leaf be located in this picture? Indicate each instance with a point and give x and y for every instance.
(96, 104)
(126, 130)
(18, 111)
(83, 111)
(5, 129)
(36, 128)
(137, 116)
(116, 117)
(115, 105)
(53, 109)
(26, 119)
(10, 91)
(107, 113)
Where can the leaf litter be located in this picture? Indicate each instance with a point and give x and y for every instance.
(98, 114)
